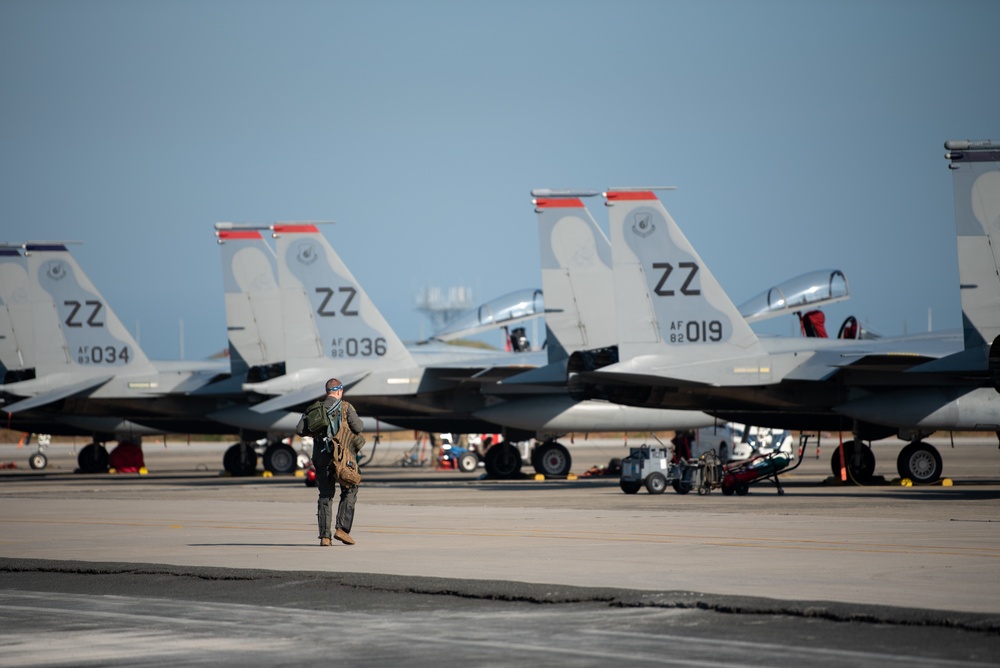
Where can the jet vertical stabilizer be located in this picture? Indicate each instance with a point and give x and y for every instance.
(576, 275)
(331, 325)
(75, 331)
(253, 304)
(668, 302)
(975, 168)
(350, 329)
(16, 342)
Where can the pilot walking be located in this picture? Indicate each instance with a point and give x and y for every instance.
(336, 409)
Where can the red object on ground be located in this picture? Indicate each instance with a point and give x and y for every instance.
(126, 458)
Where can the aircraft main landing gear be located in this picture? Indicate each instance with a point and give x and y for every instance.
(280, 458)
(93, 458)
(860, 462)
(240, 459)
(551, 459)
(920, 462)
(503, 461)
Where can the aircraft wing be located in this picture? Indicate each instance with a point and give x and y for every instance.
(56, 394)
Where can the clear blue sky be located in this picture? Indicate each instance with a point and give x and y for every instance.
(801, 135)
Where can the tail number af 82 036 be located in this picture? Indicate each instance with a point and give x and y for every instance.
(363, 347)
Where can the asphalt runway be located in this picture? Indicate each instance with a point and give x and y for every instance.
(183, 566)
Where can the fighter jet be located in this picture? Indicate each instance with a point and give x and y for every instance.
(579, 307)
(683, 344)
(76, 370)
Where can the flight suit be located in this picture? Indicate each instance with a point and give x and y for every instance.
(322, 455)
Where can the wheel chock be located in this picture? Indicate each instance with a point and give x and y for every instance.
(299, 473)
(568, 476)
(267, 474)
(143, 471)
(906, 482)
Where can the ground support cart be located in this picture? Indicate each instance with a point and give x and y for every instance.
(652, 467)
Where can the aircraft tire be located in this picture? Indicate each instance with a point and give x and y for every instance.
(741, 489)
(727, 490)
(93, 458)
(681, 487)
(240, 460)
(920, 462)
(38, 461)
(552, 460)
(656, 483)
(861, 465)
(503, 461)
(280, 459)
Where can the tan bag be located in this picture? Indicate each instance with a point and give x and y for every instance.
(344, 466)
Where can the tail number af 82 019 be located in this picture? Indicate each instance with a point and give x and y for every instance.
(685, 331)
(694, 331)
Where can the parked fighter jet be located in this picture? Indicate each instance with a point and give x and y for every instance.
(578, 284)
(683, 344)
(80, 372)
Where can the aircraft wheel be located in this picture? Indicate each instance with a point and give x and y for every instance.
(553, 459)
(280, 458)
(38, 461)
(681, 487)
(93, 458)
(920, 462)
(240, 460)
(630, 486)
(535, 457)
(468, 462)
(860, 462)
(503, 461)
(656, 483)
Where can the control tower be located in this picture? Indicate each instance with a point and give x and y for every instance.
(442, 305)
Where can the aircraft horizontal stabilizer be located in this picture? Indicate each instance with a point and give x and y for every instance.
(650, 370)
(286, 401)
(46, 398)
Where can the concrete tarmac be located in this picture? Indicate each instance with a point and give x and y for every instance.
(450, 568)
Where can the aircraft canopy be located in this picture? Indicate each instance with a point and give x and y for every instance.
(816, 288)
